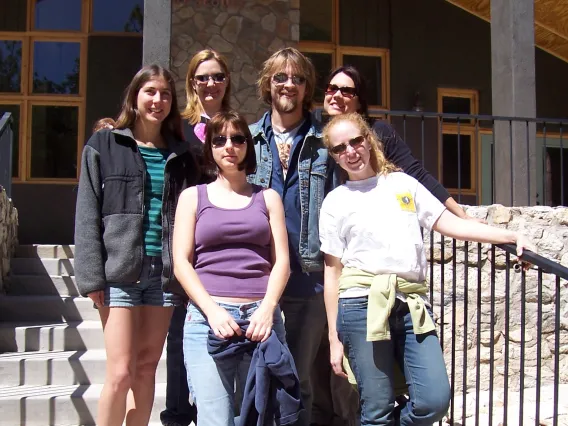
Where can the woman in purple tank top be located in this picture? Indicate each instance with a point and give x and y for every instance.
(230, 251)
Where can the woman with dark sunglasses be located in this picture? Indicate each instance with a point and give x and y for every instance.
(230, 251)
(208, 91)
(345, 93)
(375, 276)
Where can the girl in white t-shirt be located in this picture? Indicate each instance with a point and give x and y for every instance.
(375, 267)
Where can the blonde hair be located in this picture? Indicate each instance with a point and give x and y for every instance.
(193, 108)
(279, 60)
(379, 163)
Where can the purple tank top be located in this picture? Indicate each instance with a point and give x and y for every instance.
(232, 247)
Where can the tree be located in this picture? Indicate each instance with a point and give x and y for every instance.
(10, 65)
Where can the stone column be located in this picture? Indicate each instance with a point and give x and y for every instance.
(513, 92)
(157, 32)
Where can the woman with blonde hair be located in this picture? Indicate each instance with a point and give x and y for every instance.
(375, 269)
(208, 91)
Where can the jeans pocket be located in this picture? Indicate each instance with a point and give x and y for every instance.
(353, 311)
(195, 315)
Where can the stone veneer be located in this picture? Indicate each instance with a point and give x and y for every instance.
(548, 229)
(8, 236)
(246, 32)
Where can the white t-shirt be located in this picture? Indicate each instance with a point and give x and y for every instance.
(374, 225)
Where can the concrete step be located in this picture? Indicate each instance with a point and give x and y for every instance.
(47, 308)
(60, 368)
(46, 251)
(37, 266)
(59, 405)
(54, 285)
(31, 336)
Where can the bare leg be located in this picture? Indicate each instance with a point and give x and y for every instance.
(152, 331)
(118, 326)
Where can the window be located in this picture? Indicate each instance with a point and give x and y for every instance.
(43, 77)
(457, 142)
(348, 32)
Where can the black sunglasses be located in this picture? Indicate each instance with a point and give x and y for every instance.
(354, 143)
(282, 78)
(221, 140)
(346, 91)
(204, 78)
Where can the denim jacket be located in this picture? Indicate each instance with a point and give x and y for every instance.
(315, 169)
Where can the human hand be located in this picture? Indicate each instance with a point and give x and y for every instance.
(523, 243)
(336, 357)
(223, 324)
(98, 298)
(261, 322)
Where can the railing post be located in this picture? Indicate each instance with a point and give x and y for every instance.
(6, 141)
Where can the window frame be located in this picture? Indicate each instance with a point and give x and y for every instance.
(26, 99)
(467, 127)
(337, 51)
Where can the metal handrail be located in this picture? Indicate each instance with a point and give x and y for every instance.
(546, 265)
(6, 163)
(5, 120)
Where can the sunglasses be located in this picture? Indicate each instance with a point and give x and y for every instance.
(354, 143)
(204, 78)
(282, 78)
(346, 91)
(221, 140)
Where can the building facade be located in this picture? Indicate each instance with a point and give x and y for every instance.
(65, 63)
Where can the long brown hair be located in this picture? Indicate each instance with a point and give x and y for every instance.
(378, 161)
(193, 108)
(128, 112)
(278, 62)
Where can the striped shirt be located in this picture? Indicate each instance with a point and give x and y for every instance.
(155, 160)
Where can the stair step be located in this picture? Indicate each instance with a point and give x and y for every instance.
(31, 336)
(46, 251)
(47, 308)
(60, 368)
(59, 405)
(37, 266)
(54, 285)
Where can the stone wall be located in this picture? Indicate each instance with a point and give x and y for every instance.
(8, 236)
(548, 229)
(246, 32)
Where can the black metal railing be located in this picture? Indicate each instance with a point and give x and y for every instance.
(6, 141)
(501, 329)
(485, 159)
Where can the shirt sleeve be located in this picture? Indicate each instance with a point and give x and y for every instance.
(398, 153)
(428, 207)
(331, 241)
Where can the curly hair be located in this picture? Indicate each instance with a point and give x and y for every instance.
(378, 161)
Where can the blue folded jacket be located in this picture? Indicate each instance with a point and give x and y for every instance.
(272, 389)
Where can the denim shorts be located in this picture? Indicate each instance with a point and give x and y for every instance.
(146, 292)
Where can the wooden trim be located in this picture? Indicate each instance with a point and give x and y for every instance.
(35, 181)
(473, 166)
(115, 34)
(335, 22)
(471, 94)
(376, 52)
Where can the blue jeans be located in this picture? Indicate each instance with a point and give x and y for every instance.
(213, 384)
(305, 321)
(178, 408)
(420, 357)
